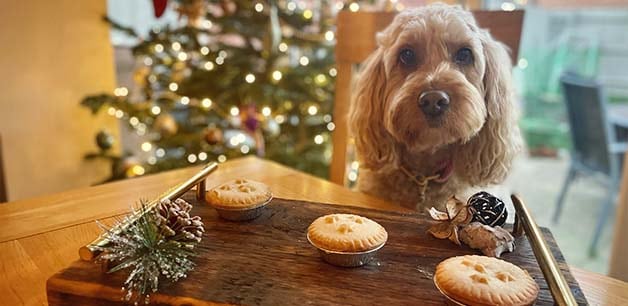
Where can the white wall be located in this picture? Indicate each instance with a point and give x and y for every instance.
(138, 15)
(52, 53)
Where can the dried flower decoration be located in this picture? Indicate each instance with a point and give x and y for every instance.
(492, 241)
(456, 224)
(456, 215)
(159, 244)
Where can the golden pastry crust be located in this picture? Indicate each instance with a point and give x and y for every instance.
(346, 233)
(482, 280)
(239, 194)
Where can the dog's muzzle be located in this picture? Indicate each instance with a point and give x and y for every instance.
(433, 103)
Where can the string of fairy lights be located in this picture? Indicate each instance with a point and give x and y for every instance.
(237, 140)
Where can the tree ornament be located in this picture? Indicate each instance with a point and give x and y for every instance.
(272, 37)
(140, 74)
(158, 245)
(272, 127)
(193, 10)
(121, 167)
(104, 140)
(250, 118)
(159, 7)
(177, 76)
(251, 122)
(130, 167)
(228, 7)
(166, 125)
(213, 135)
(487, 209)
(167, 60)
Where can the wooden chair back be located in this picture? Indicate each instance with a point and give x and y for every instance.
(355, 41)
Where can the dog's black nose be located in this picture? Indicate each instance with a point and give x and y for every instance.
(433, 103)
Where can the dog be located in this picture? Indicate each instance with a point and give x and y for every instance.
(433, 112)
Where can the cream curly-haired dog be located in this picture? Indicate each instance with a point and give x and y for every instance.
(433, 111)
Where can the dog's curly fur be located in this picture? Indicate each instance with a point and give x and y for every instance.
(478, 134)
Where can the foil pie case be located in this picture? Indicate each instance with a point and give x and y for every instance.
(346, 259)
(450, 300)
(240, 214)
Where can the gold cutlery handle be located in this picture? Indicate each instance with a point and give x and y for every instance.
(553, 276)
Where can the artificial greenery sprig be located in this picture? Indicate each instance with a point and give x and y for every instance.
(159, 244)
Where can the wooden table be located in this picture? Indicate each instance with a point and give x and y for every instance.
(40, 236)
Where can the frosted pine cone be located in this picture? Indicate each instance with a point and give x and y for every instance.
(175, 221)
(160, 243)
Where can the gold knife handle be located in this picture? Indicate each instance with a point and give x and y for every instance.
(555, 279)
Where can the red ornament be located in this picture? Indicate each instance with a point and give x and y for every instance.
(160, 7)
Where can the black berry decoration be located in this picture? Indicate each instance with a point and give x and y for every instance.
(487, 209)
(104, 140)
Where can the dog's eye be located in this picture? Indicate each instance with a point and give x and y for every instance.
(407, 57)
(464, 56)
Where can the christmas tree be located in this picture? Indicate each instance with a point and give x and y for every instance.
(235, 77)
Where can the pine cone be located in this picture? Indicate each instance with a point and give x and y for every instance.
(176, 223)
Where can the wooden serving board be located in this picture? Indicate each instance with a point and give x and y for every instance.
(268, 261)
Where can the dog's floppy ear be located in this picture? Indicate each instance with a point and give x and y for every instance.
(373, 143)
(489, 154)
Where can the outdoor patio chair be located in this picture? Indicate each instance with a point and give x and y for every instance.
(596, 152)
